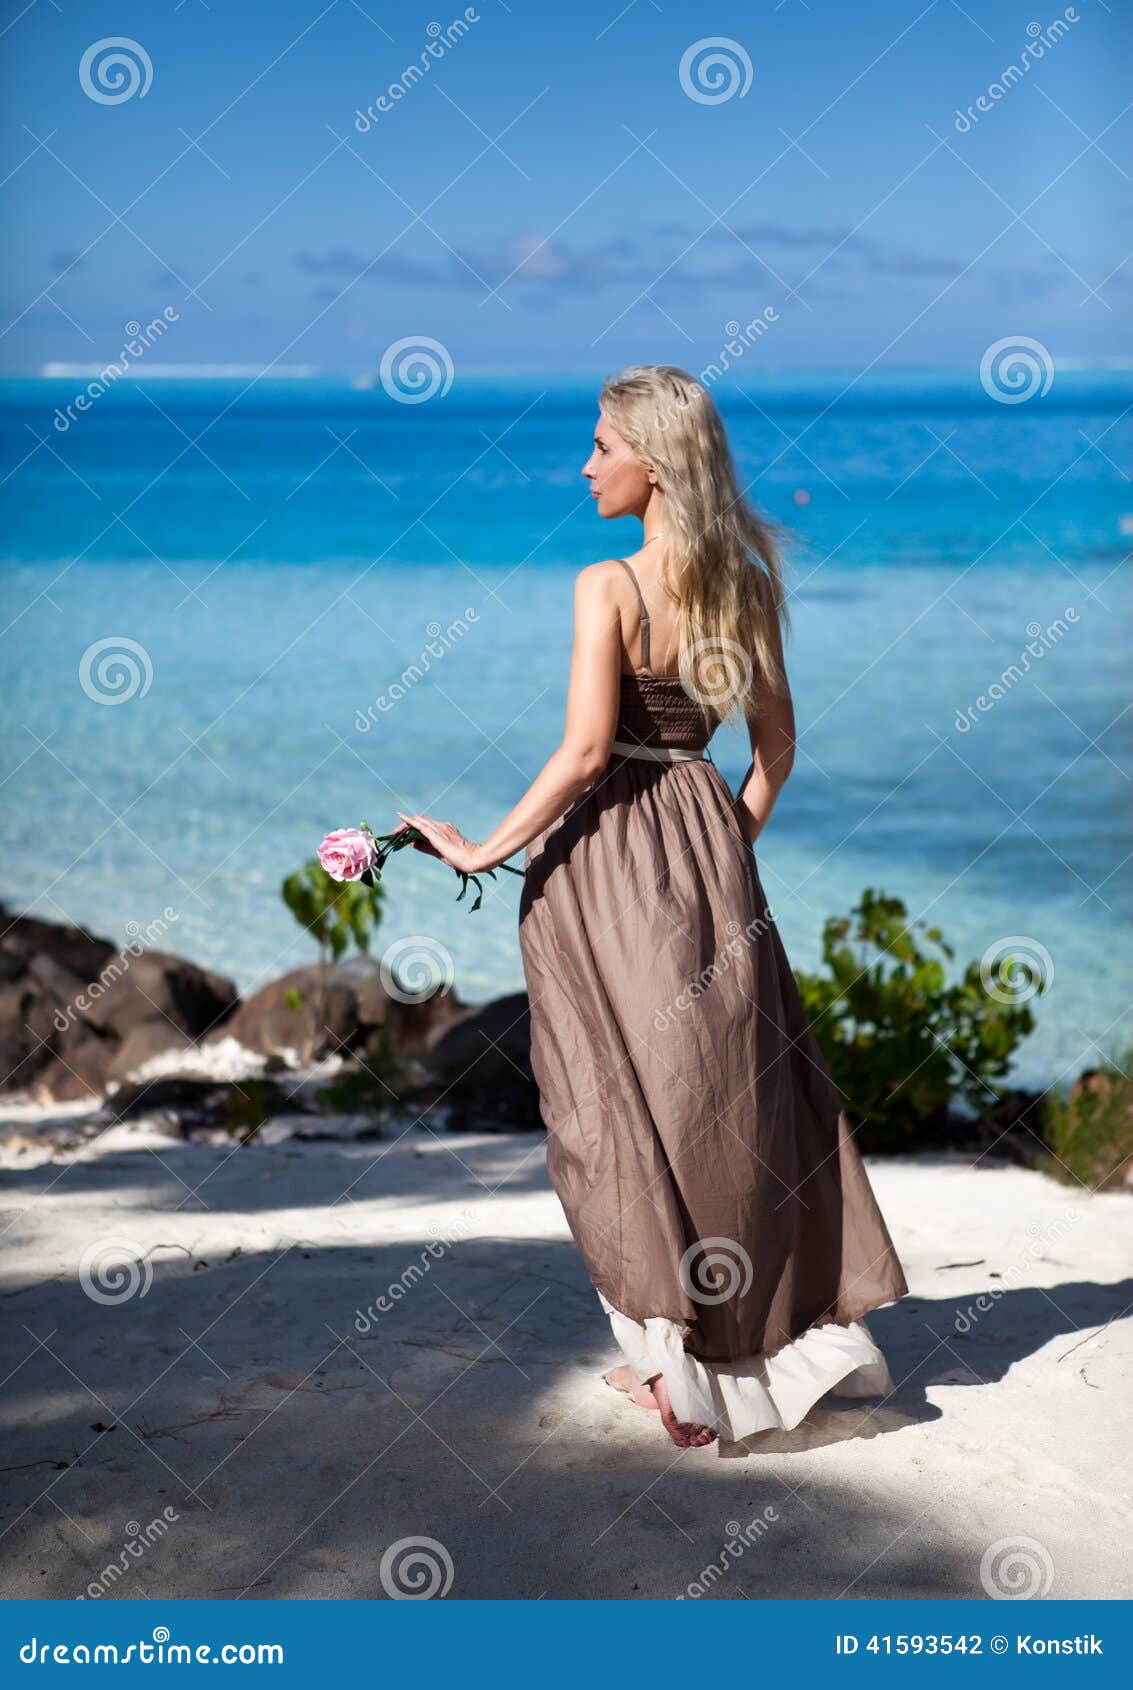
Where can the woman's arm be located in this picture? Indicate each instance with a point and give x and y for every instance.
(591, 717)
(772, 728)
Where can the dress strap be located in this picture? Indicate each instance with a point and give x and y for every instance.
(644, 613)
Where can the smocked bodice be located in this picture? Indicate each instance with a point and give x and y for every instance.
(656, 710)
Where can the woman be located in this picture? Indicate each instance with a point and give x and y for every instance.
(695, 1139)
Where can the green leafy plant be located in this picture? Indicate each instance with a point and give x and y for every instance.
(905, 1047)
(368, 1086)
(246, 1110)
(1089, 1130)
(337, 913)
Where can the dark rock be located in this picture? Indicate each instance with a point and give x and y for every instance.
(152, 986)
(196, 1103)
(480, 1068)
(72, 947)
(144, 1042)
(298, 1013)
(1014, 1109)
(81, 1072)
(307, 1014)
(69, 1001)
(77, 1014)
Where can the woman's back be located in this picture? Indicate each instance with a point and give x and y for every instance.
(655, 709)
(648, 619)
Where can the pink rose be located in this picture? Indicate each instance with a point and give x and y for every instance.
(347, 853)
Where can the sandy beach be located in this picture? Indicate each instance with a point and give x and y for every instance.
(567, 579)
(326, 1347)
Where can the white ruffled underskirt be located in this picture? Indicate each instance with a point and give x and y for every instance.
(761, 1393)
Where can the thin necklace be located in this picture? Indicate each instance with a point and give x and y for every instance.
(651, 539)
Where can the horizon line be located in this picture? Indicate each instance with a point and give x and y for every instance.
(364, 377)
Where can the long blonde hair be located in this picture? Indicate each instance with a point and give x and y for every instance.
(721, 560)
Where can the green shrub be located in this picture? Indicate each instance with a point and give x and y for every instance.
(904, 1047)
(337, 913)
(246, 1110)
(368, 1085)
(1090, 1129)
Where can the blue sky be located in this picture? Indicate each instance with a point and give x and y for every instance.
(548, 196)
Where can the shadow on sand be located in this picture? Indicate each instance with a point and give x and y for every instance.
(296, 1437)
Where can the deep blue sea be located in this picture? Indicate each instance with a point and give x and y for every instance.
(280, 554)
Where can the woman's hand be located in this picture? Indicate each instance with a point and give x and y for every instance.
(446, 842)
(421, 845)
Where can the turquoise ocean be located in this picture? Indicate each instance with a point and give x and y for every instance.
(330, 605)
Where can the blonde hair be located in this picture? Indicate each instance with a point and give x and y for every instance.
(721, 564)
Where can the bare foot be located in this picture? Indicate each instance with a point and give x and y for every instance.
(684, 1433)
(626, 1380)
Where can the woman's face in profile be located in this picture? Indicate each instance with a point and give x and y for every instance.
(619, 484)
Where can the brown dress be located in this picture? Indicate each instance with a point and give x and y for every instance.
(695, 1139)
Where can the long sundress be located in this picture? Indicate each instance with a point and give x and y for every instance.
(695, 1139)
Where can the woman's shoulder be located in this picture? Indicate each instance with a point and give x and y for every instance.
(601, 581)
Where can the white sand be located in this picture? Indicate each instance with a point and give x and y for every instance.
(293, 1450)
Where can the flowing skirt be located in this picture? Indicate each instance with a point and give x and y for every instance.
(695, 1139)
